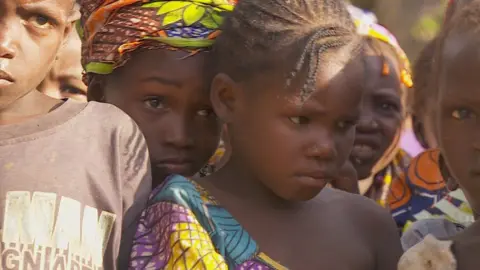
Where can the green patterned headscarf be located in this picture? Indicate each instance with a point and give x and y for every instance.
(110, 29)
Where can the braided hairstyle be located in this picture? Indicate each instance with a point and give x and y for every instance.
(258, 32)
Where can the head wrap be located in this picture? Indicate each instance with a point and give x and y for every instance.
(391, 165)
(367, 25)
(110, 29)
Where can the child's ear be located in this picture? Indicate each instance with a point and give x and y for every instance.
(419, 131)
(450, 181)
(224, 96)
(96, 89)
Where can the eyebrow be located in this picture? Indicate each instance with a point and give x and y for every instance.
(41, 6)
(162, 80)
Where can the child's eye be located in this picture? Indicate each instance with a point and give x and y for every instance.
(388, 106)
(70, 89)
(299, 120)
(154, 103)
(206, 113)
(40, 21)
(463, 114)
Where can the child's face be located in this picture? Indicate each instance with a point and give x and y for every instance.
(166, 93)
(459, 112)
(294, 148)
(65, 78)
(31, 32)
(381, 113)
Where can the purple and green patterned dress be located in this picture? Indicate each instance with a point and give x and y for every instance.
(183, 227)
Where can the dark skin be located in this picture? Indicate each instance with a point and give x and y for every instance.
(31, 33)
(458, 126)
(347, 180)
(166, 93)
(285, 152)
(381, 113)
(65, 78)
(423, 123)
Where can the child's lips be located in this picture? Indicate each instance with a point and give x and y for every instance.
(363, 152)
(175, 165)
(5, 79)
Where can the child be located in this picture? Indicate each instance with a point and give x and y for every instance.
(148, 59)
(74, 176)
(427, 182)
(376, 154)
(65, 78)
(291, 128)
(457, 97)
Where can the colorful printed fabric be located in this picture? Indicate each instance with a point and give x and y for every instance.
(110, 29)
(214, 161)
(184, 228)
(422, 194)
(383, 188)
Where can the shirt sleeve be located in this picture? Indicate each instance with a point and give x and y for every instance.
(137, 184)
(440, 228)
(170, 237)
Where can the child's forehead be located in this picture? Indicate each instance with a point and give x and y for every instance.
(65, 5)
(460, 53)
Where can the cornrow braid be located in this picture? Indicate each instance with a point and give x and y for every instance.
(259, 31)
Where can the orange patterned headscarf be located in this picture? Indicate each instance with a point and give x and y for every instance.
(110, 29)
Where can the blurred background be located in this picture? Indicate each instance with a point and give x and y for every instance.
(413, 22)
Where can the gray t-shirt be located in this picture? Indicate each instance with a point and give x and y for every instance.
(72, 184)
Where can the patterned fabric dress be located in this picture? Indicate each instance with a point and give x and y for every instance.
(422, 194)
(183, 227)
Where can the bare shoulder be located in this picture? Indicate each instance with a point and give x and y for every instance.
(357, 206)
(372, 223)
(368, 216)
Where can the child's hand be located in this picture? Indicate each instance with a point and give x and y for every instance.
(466, 247)
(347, 180)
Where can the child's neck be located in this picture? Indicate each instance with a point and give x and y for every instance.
(237, 181)
(29, 106)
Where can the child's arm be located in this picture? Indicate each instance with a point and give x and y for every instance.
(386, 240)
(137, 184)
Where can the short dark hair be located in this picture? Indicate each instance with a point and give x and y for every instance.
(466, 19)
(453, 6)
(259, 31)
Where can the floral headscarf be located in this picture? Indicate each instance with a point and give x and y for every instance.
(110, 29)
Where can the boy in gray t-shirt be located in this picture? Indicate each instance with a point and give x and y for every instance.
(73, 176)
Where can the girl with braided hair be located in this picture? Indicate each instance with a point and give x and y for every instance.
(279, 70)
(147, 57)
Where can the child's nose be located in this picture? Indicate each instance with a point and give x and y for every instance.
(178, 135)
(8, 38)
